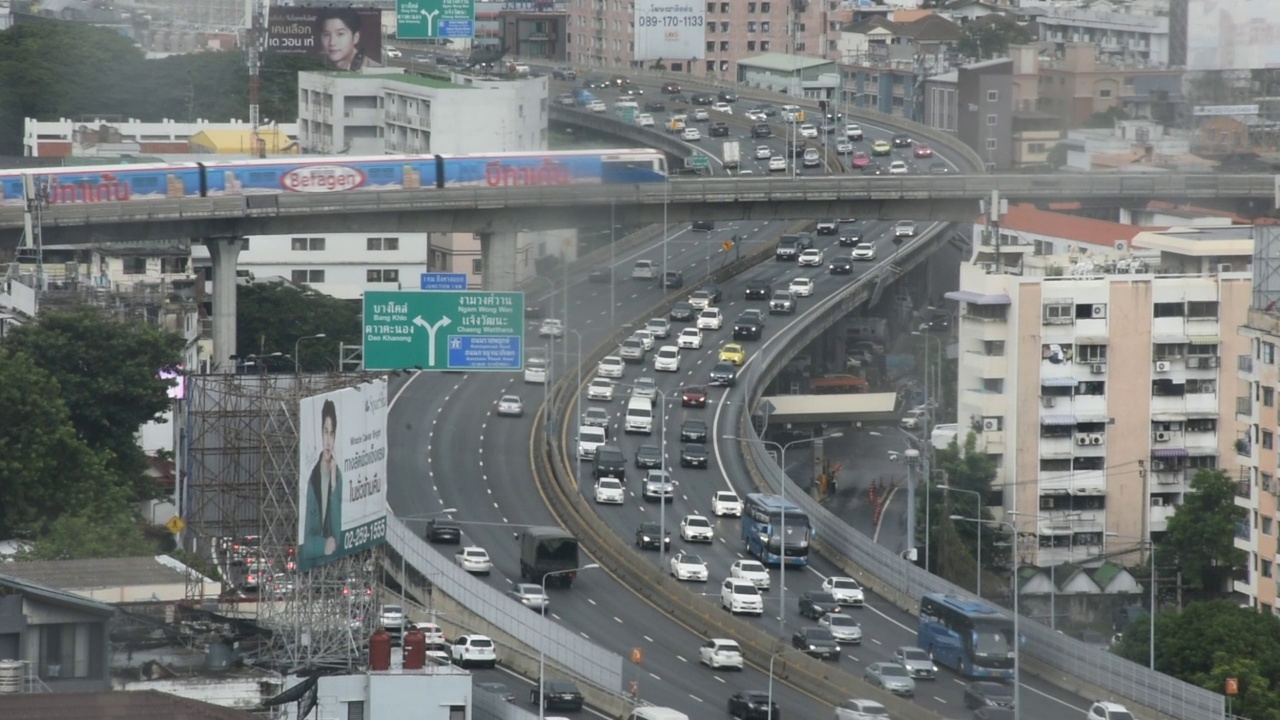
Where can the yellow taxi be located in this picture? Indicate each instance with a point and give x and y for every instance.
(733, 353)
(881, 147)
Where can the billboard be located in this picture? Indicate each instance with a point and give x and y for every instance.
(1232, 35)
(342, 471)
(670, 30)
(345, 38)
(430, 19)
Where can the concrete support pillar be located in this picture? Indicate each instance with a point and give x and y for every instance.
(224, 252)
(498, 258)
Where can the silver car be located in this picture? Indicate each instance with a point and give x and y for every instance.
(842, 627)
(916, 661)
(658, 486)
(530, 596)
(890, 676)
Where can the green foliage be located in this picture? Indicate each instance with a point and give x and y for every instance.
(272, 316)
(1106, 119)
(106, 373)
(953, 544)
(1200, 539)
(1057, 156)
(991, 36)
(44, 468)
(86, 71)
(1211, 641)
(105, 529)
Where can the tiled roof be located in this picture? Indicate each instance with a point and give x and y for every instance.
(52, 595)
(931, 28)
(121, 705)
(95, 573)
(874, 22)
(1193, 211)
(908, 16)
(1030, 219)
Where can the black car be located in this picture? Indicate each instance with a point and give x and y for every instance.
(647, 536)
(533, 312)
(938, 167)
(703, 225)
(937, 322)
(595, 83)
(444, 530)
(728, 96)
(753, 705)
(757, 289)
(673, 279)
(713, 292)
(655, 106)
(828, 226)
(761, 130)
(564, 74)
(670, 89)
(702, 98)
(648, 456)
(993, 713)
(985, 693)
(747, 329)
(724, 374)
(873, 168)
(693, 396)
(815, 603)
(901, 141)
(693, 455)
(851, 238)
(841, 266)
(609, 462)
(719, 129)
(796, 149)
(558, 695)
(681, 312)
(601, 275)
(619, 81)
(816, 642)
(498, 689)
(693, 430)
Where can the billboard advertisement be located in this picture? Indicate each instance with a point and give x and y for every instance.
(670, 30)
(345, 38)
(342, 471)
(1232, 35)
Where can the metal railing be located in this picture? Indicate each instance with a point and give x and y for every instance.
(564, 647)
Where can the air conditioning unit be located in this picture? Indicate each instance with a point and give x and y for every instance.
(1096, 439)
(1048, 401)
(990, 425)
(1193, 362)
(1098, 311)
(1210, 361)
(1157, 502)
(1224, 267)
(1121, 246)
(1162, 366)
(1161, 437)
(1098, 368)
(1082, 439)
(1159, 465)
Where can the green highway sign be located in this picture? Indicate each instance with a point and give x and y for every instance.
(699, 160)
(444, 330)
(426, 19)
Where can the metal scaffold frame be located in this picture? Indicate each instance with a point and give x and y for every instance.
(238, 477)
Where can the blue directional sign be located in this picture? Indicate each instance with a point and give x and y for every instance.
(444, 281)
(468, 352)
(464, 29)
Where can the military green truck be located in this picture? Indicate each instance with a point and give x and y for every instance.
(548, 551)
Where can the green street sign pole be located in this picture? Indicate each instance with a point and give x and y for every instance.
(471, 331)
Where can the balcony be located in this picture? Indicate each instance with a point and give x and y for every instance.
(1200, 404)
(1169, 407)
(1160, 515)
(1076, 482)
(1171, 476)
(1091, 407)
(1244, 488)
(1244, 408)
(989, 366)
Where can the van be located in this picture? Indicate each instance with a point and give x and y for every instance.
(535, 370)
(590, 438)
(657, 713)
(639, 417)
(643, 270)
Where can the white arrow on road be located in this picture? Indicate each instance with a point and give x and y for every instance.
(431, 335)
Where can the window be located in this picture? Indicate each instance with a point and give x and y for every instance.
(1202, 309)
(724, 27)
(724, 46)
(751, 46)
(993, 385)
(765, 25)
(382, 276)
(724, 8)
(751, 26)
(991, 143)
(1050, 465)
(375, 244)
(993, 119)
(1266, 524)
(1268, 396)
(1169, 351)
(993, 348)
(1266, 568)
(355, 710)
(993, 95)
(764, 44)
(1091, 353)
(1169, 309)
(1091, 387)
(477, 266)
(315, 244)
(1268, 440)
(303, 277)
(751, 7)
(766, 7)
(66, 651)
(1201, 387)
(134, 265)
(1058, 314)
(711, 66)
(1037, 147)
(799, 47)
(1267, 351)
(1104, 93)
(711, 46)
(711, 8)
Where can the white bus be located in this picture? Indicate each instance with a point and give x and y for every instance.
(535, 370)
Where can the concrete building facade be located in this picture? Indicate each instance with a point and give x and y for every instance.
(1128, 36)
(975, 103)
(1096, 380)
(116, 138)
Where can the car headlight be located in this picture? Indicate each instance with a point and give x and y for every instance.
(935, 668)
(813, 648)
(646, 539)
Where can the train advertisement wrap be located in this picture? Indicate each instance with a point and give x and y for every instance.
(345, 38)
(342, 471)
(670, 30)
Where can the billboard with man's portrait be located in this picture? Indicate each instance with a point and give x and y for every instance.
(342, 470)
(345, 38)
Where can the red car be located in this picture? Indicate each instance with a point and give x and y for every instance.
(924, 151)
(860, 160)
(694, 396)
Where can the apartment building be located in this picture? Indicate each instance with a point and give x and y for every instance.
(882, 61)
(1257, 429)
(1079, 81)
(1095, 379)
(975, 103)
(1130, 36)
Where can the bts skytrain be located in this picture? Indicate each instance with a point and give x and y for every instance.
(316, 174)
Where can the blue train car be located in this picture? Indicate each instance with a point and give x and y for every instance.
(106, 184)
(575, 167)
(310, 174)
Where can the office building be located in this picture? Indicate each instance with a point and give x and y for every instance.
(975, 103)
(1096, 378)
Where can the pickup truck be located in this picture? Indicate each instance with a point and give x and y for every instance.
(788, 248)
(746, 328)
(782, 303)
(757, 289)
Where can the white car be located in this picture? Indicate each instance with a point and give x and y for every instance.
(777, 163)
(853, 132)
(597, 106)
(763, 152)
(914, 418)
(434, 633)
(689, 338)
(844, 147)
(842, 627)
(700, 115)
(645, 387)
(752, 571)
(474, 560)
(600, 389)
(808, 130)
(756, 115)
(801, 287)
(667, 359)
(726, 503)
(474, 650)
(719, 653)
(740, 596)
(811, 158)
(723, 107)
(898, 167)
(645, 337)
(811, 257)
(644, 120)
(845, 590)
(856, 709)
(610, 491)
(696, 528)
(709, 319)
(687, 566)
(864, 251)
(611, 366)
(510, 405)
(691, 134)
(1103, 710)
(905, 228)
(551, 328)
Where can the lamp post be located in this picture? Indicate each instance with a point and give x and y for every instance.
(1151, 621)
(1017, 633)
(975, 493)
(928, 416)
(782, 530)
(775, 656)
(542, 646)
(577, 396)
(297, 358)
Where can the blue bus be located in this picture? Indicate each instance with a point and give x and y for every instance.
(762, 530)
(973, 638)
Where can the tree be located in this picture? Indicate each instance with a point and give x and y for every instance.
(272, 316)
(953, 544)
(1200, 539)
(1057, 156)
(1211, 641)
(1107, 118)
(44, 468)
(990, 37)
(106, 529)
(107, 373)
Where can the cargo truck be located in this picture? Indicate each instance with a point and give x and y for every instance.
(547, 550)
(732, 155)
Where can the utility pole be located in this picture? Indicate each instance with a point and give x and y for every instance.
(995, 207)
(256, 41)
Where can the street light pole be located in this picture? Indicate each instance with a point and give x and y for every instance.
(1151, 613)
(925, 441)
(577, 398)
(975, 493)
(775, 656)
(542, 649)
(297, 359)
(613, 270)
(1017, 632)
